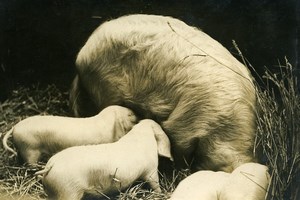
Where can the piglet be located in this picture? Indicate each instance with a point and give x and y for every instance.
(106, 168)
(36, 135)
(248, 182)
(204, 185)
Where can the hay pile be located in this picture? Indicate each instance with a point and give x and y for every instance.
(278, 131)
(277, 135)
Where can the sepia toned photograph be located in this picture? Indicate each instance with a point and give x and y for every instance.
(149, 100)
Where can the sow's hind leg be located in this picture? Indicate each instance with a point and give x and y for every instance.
(210, 152)
(201, 141)
(215, 154)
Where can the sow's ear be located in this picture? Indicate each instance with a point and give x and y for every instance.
(163, 142)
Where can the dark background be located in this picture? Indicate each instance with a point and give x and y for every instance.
(39, 39)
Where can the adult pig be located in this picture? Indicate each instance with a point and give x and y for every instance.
(163, 69)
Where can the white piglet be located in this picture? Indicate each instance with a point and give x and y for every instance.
(205, 185)
(36, 135)
(106, 168)
(248, 182)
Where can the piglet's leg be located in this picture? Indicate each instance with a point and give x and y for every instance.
(153, 180)
(31, 156)
(67, 194)
(73, 196)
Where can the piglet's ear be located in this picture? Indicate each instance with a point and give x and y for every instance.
(163, 142)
